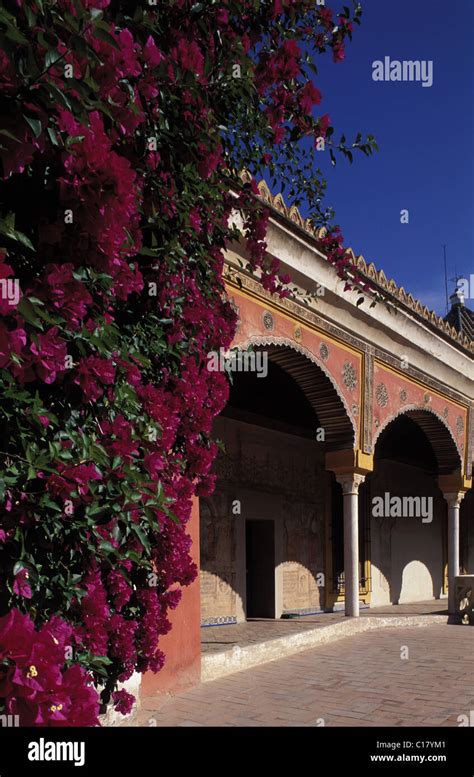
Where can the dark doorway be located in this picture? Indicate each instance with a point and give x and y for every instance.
(260, 559)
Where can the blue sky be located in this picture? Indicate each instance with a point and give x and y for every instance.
(426, 139)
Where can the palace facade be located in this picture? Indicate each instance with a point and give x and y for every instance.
(360, 406)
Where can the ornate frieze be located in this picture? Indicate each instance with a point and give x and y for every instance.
(312, 318)
(367, 398)
(412, 389)
(381, 395)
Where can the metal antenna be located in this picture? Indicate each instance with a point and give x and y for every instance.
(446, 280)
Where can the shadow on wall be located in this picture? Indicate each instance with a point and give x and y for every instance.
(467, 534)
(408, 549)
(415, 582)
(218, 579)
(408, 555)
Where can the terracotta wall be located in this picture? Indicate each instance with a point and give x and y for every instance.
(182, 646)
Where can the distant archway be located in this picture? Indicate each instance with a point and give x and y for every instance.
(317, 385)
(437, 432)
(408, 549)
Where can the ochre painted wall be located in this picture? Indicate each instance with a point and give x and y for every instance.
(182, 645)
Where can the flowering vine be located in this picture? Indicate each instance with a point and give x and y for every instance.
(123, 129)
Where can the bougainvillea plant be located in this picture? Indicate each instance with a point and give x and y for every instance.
(125, 126)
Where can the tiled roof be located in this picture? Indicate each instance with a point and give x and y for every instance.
(464, 336)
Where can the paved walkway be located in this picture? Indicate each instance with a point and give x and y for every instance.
(362, 680)
(220, 638)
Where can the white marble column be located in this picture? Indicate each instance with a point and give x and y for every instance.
(350, 483)
(454, 503)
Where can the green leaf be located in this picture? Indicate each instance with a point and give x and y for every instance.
(9, 135)
(27, 310)
(15, 35)
(59, 95)
(107, 547)
(52, 136)
(51, 57)
(7, 229)
(35, 125)
(102, 33)
(72, 139)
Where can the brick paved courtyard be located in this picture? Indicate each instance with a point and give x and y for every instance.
(254, 631)
(357, 681)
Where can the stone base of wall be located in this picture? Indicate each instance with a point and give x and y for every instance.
(113, 718)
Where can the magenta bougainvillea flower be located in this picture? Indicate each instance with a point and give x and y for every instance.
(21, 586)
(123, 701)
(35, 684)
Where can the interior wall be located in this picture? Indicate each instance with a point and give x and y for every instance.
(467, 532)
(407, 554)
(269, 475)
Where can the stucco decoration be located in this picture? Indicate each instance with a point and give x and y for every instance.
(349, 376)
(381, 395)
(268, 320)
(236, 310)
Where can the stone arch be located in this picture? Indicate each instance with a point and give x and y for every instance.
(446, 449)
(316, 382)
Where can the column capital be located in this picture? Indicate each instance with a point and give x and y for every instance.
(349, 460)
(350, 482)
(452, 484)
(454, 498)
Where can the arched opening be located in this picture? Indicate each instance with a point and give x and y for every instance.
(263, 531)
(408, 512)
